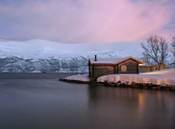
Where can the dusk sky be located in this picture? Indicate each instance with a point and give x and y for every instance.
(86, 21)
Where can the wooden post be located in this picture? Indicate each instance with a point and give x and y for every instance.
(95, 58)
(93, 70)
(89, 66)
(137, 68)
(117, 68)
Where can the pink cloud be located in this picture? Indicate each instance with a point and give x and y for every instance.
(87, 20)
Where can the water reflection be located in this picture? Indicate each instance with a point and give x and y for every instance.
(45, 104)
(141, 102)
(132, 107)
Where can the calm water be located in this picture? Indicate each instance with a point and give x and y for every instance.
(50, 104)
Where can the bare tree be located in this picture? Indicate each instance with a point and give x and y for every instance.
(147, 59)
(155, 50)
(173, 49)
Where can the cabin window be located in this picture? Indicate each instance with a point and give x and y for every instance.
(123, 68)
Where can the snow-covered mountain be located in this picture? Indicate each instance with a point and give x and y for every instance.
(48, 56)
(49, 65)
(46, 49)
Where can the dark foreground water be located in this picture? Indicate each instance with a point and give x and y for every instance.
(46, 103)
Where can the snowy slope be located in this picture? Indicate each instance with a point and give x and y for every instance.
(164, 78)
(46, 49)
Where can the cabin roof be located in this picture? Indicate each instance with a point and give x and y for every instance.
(114, 61)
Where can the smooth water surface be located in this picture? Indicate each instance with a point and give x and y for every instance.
(50, 104)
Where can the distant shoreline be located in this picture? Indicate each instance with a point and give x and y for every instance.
(33, 75)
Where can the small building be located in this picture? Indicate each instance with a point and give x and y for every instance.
(99, 67)
(151, 68)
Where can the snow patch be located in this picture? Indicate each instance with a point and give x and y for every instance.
(78, 77)
(164, 78)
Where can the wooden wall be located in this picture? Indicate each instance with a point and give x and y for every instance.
(132, 67)
(100, 70)
(152, 68)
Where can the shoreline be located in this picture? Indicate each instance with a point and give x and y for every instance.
(159, 80)
(33, 75)
(123, 85)
(138, 86)
(64, 77)
(73, 81)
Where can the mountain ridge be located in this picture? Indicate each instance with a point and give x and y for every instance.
(48, 49)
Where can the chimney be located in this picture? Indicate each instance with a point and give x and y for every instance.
(95, 58)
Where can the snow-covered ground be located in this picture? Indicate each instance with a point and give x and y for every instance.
(163, 78)
(78, 77)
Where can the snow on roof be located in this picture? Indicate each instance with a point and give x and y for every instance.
(113, 60)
